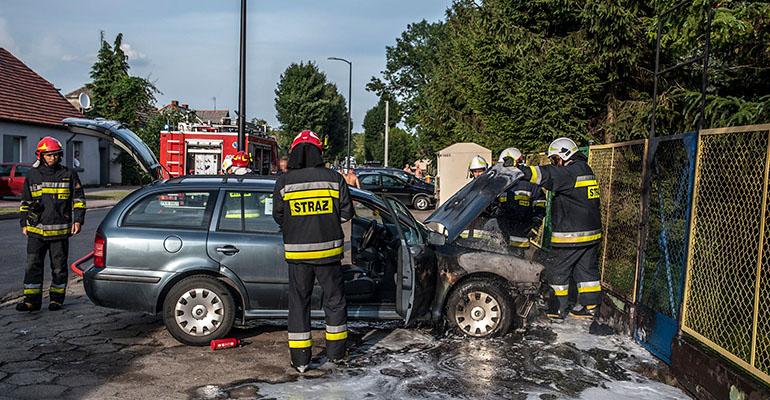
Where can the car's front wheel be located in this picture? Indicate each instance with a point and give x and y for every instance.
(198, 309)
(421, 203)
(480, 308)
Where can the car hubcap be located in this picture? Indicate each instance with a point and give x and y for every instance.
(479, 315)
(422, 203)
(199, 312)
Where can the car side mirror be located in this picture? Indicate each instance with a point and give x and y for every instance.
(436, 239)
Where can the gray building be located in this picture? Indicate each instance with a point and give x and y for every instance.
(31, 108)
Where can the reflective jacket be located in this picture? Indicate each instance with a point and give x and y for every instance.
(310, 204)
(521, 208)
(52, 200)
(575, 207)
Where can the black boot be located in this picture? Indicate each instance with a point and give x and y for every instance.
(29, 307)
(54, 306)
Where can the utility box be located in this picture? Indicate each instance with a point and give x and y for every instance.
(200, 149)
(452, 168)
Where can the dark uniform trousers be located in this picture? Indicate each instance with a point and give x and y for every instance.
(301, 279)
(579, 264)
(58, 251)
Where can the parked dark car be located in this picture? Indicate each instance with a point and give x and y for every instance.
(217, 258)
(414, 192)
(12, 178)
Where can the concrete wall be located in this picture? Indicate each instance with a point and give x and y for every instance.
(90, 162)
(453, 164)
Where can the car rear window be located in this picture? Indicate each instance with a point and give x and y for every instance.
(21, 170)
(180, 210)
(5, 170)
(247, 212)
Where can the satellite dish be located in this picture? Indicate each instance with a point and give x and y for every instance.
(84, 100)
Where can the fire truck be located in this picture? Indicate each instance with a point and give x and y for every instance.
(198, 149)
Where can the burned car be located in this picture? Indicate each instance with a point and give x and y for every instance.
(216, 258)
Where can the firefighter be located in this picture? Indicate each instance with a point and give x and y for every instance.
(52, 209)
(477, 166)
(577, 228)
(521, 207)
(240, 163)
(310, 204)
(227, 164)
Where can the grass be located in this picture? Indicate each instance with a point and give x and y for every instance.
(107, 195)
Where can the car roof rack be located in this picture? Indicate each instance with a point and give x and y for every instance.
(245, 179)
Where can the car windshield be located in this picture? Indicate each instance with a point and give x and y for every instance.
(5, 170)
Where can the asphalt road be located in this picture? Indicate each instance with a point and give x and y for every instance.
(15, 254)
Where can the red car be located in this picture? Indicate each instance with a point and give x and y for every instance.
(12, 177)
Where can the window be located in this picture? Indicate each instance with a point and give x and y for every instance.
(181, 210)
(5, 170)
(21, 170)
(411, 232)
(13, 148)
(247, 212)
(370, 180)
(392, 182)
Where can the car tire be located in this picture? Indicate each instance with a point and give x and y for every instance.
(198, 309)
(480, 308)
(421, 203)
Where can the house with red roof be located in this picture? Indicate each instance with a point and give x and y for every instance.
(31, 108)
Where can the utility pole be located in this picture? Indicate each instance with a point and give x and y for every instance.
(242, 83)
(387, 128)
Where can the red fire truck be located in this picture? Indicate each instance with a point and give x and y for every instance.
(198, 149)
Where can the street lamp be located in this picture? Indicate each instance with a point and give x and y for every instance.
(350, 88)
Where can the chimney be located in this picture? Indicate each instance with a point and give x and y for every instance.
(185, 106)
(175, 103)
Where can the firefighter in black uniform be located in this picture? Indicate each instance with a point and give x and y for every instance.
(483, 231)
(52, 208)
(577, 228)
(521, 207)
(310, 204)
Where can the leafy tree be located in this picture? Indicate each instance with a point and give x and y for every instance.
(305, 100)
(374, 128)
(122, 97)
(401, 149)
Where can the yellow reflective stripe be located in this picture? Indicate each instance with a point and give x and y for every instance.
(591, 182)
(336, 336)
(300, 344)
(540, 203)
(23, 208)
(518, 244)
(57, 290)
(564, 292)
(521, 197)
(502, 199)
(40, 192)
(79, 204)
(590, 289)
(33, 291)
(252, 215)
(576, 239)
(307, 194)
(57, 232)
(312, 255)
(534, 177)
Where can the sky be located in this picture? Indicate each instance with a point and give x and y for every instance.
(189, 48)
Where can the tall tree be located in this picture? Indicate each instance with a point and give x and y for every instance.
(374, 128)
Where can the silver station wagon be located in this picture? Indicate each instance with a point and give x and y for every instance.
(205, 253)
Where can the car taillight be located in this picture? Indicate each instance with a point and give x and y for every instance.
(100, 250)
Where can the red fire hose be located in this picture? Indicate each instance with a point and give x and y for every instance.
(75, 267)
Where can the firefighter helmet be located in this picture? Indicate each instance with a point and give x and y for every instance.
(478, 162)
(563, 148)
(227, 163)
(510, 152)
(241, 159)
(48, 144)
(307, 136)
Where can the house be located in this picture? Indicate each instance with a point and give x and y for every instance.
(74, 96)
(31, 108)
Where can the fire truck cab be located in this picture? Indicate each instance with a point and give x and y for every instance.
(198, 149)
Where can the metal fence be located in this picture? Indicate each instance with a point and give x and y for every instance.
(727, 289)
(619, 168)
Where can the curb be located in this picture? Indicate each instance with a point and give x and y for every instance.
(16, 215)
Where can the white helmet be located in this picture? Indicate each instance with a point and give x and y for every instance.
(564, 148)
(510, 152)
(227, 163)
(478, 162)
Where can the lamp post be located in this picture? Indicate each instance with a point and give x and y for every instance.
(242, 83)
(350, 89)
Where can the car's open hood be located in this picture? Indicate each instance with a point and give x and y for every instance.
(116, 133)
(470, 201)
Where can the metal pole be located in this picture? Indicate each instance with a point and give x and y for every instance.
(242, 83)
(705, 78)
(387, 128)
(350, 111)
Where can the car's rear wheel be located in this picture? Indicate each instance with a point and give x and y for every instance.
(480, 308)
(421, 203)
(198, 309)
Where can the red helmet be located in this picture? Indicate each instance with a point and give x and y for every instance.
(241, 159)
(307, 136)
(48, 144)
